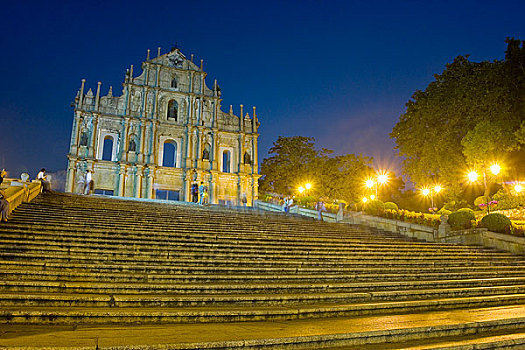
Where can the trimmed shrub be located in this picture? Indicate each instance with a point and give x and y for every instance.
(461, 220)
(375, 207)
(496, 222)
(443, 211)
(391, 206)
(468, 210)
(481, 200)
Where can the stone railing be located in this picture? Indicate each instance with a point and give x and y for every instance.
(328, 217)
(477, 236)
(18, 192)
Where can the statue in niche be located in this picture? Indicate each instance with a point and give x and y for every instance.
(247, 158)
(83, 139)
(206, 152)
(132, 144)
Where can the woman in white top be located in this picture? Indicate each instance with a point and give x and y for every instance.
(46, 186)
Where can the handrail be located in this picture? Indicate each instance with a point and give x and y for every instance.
(19, 192)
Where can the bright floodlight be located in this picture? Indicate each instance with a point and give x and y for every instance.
(495, 168)
(518, 188)
(369, 183)
(382, 179)
(308, 186)
(372, 197)
(425, 191)
(301, 189)
(365, 199)
(473, 176)
(437, 188)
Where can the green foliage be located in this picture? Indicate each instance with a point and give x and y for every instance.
(481, 200)
(468, 113)
(461, 220)
(469, 211)
(391, 206)
(507, 200)
(295, 161)
(496, 222)
(413, 217)
(443, 211)
(455, 205)
(375, 207)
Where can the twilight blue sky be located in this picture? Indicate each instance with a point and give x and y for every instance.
(339, 71)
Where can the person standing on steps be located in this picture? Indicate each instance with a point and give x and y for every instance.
(46, 186)
(201, 193)
(89, 184)
(4, 206)
(194, 192)
(320, 208)
(244, 200)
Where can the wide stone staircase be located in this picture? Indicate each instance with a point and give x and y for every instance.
(147, 275)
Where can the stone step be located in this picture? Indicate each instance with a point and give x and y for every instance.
(176, 266)
(62, 233)
(486, 328)
(10, 286)
(29, 271)
(236, 300)
(144, 315)
(184, 249)
(173, 255)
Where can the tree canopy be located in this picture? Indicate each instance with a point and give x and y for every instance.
(294, 161)
(471, 114)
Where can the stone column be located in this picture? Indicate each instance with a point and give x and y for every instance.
(121, 180)
(92, 152)
(70, 179)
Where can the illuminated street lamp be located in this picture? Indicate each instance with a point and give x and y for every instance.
(518, 188)
(382, 178)
(473, 176)
(364, 199)
(301, 189)
(431, 191)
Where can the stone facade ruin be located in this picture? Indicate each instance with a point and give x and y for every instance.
(165, 133)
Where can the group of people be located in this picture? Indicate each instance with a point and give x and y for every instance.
(319, 206)
(4, 203)
(287, 204)
(199, 193)
(86, 184)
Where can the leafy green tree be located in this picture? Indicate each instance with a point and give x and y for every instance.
(292, 162)
(448, 125)
(295, 161)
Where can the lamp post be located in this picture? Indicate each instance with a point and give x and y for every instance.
(430, 191)
(473, 177)
(381, 179)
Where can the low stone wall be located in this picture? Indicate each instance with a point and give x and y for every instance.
(328, 217)
(18, 192)
(405, 228)
(478, 236)
(484, 237)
